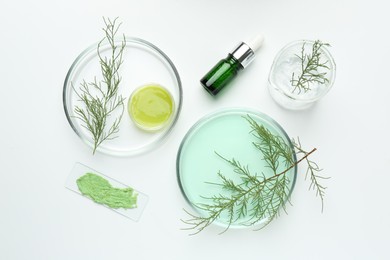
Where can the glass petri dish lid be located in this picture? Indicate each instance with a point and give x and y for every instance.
(143, 63)
(228, 134)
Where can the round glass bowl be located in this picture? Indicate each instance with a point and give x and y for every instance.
(142, 63)
(287, 62)
(151, 107)
(229, 134)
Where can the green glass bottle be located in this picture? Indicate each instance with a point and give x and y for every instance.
(221, 74)
(227, 69)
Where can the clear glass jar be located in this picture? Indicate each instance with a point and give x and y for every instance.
(288, 63)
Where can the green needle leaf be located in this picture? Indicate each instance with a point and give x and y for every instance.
(256, 197)
(310, 63)
(100, 99)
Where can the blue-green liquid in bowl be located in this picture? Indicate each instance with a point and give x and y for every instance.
(229, 134)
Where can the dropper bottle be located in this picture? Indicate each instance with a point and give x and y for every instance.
(227, 69)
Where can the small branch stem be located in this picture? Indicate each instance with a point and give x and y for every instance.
(296, 163)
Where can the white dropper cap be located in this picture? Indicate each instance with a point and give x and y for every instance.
(256, 42)
(245, 51)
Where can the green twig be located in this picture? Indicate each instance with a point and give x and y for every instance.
(311, 66)
(255, 197)
(100, 99)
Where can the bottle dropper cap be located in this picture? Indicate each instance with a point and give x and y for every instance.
(245, 51)
(256, 42)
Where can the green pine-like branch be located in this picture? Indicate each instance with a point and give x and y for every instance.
(313, 171)
(311, 64)
(100, 99)
(254, 197)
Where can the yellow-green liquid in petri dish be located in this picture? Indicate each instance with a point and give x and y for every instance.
(151, 107)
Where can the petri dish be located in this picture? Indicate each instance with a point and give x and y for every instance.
(229, 134)
(143, 62)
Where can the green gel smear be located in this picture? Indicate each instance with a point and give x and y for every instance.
(101, 191)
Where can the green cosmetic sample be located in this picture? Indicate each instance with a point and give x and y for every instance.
(151, 107)
(101, 191)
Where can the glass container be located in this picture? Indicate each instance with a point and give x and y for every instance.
(286, 63)
(143, 62)
(227, 133)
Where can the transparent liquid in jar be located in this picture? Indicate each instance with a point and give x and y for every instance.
(289, 63)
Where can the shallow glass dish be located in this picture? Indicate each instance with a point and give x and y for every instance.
(143, 63)
(227, 133)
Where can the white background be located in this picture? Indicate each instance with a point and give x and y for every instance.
(41, 219)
